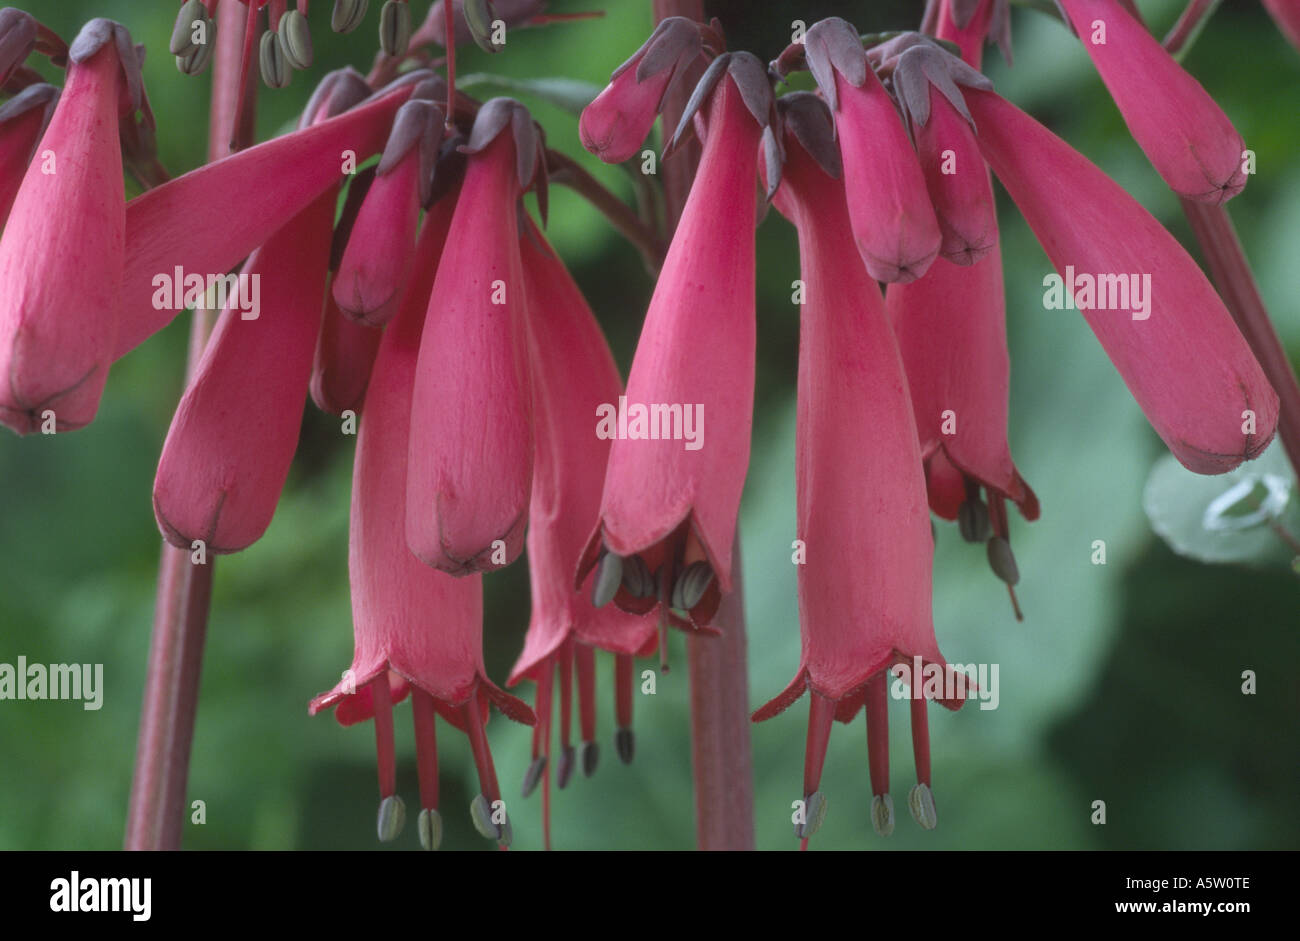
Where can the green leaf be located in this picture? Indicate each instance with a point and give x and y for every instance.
(570, 94)
(1233, 517)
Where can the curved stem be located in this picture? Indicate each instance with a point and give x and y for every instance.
(565, 170)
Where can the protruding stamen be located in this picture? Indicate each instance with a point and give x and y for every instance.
(920, 801)
(564, 770)
(487, 775)
(584, 657)
(430, 826)
(1001, 559)
(382, 697)
(877, 709)
(624, 678)
(274, 65)
(426, 746)
(348, 15)
(395, 27)
(533, 776)
(882, 814)
(691, 585)
(565, 657)
(625, 745)
(637, 580)
(663, 582)
(609, 575)
(815, 805)
(392, 817)
(295, 39)
(821, 713)
(973, 520)
(921, 739)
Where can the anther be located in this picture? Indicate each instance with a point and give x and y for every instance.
(625, 745)
(814, 810)
(295, 39)
(691, 585)
(395, 28)
(430, 826)
(920, 801)
(392, 817)
(609, 575)
(533, 775)
(882, 814)
(348, 15)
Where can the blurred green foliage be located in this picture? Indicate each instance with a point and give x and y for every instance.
(1122, 684)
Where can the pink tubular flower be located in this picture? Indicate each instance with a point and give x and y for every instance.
(62, 249)
(894, 225)
(377, 261)
(668, 511)
(22, 123)
(857, 622)
(926, 79)
(573, 375)
(234, 434)
(471, 455)
(1179, 352)
(188, 222)
(416, 629)
(615, 124)
(1185, 135)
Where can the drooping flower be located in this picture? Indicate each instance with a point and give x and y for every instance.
(471, 455)
(573, 376)
(615, 124)
(416, 629)
(672, 492)
(1185, 135)
(234, 434)
(951, 329)
(861, 496)
(894, 225)
(61, 253)
(377, 260)
(23, 120)
(1176, 345)
(188, 223)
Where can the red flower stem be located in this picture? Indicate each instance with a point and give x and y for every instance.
(157, 807)
(1231, 274)
(568, 172)
(721, 756)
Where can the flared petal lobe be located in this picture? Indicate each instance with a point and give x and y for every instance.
(1172, 340)
(1185, 135)
(61, 256)
(471, 449)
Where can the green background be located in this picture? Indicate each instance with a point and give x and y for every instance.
(1122, 684)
